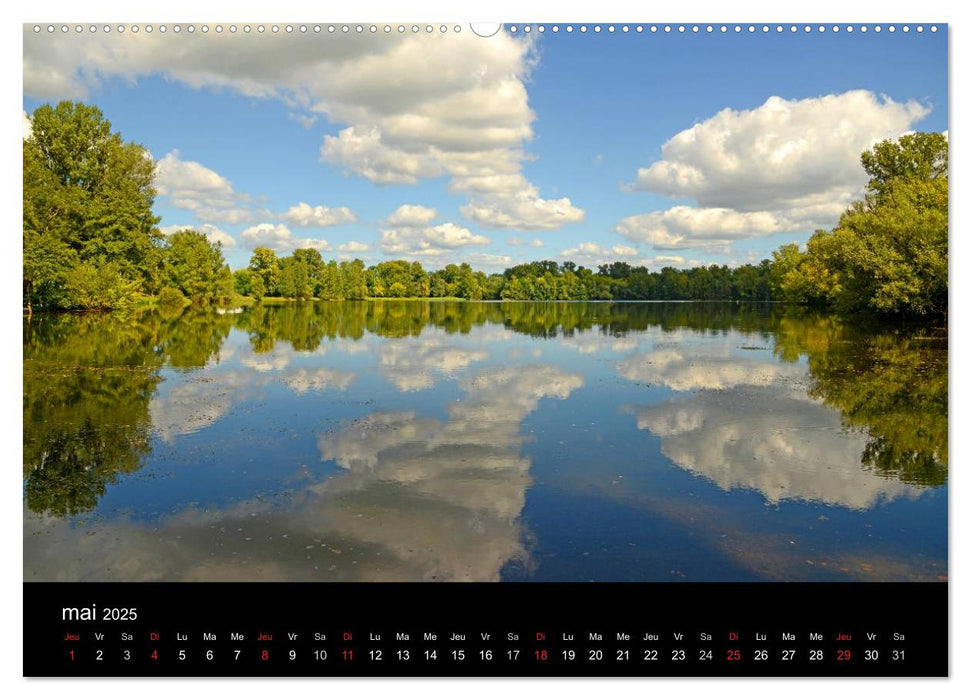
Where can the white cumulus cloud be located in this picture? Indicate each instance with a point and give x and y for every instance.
(694, 227)
(590, 254)
(489, 261)
(785, 165)
(305, 215)
(403, 109)
(279, 238)
(353, 247)
(408, 232)
(411, 215)
(595, 249)
(192, 186)
(775, 155)
(512, 202)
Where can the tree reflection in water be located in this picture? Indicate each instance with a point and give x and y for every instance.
(89, 379)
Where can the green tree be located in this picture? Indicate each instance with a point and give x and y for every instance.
(97, 284)
(420, 284)
(787, 279)
(917, 156)
(87, 199)
(171, 300)
(353, 280)
(889, 253)
(293, 280)
(264, 263)
(468, 286)
(331, 283)
(410, 278)
(315, 267)
(248, 284)
(195, 266)
(891, 256)
(243, 281)
(257, 288)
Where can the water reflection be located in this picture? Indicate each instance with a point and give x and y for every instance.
(194, 405)
(753, 422)
(87, 384)
(767, 439)
(888, 384)
(412, 364)
(388, 440)
(234, 375)
(444, 496)
(420, 499)
(683, 367)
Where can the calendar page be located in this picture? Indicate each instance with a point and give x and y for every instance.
(450, 349)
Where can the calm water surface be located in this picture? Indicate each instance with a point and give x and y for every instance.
(483, 441)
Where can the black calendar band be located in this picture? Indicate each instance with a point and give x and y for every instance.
(476, 629)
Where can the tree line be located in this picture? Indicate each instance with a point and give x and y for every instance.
(91, 242)
(305, 275)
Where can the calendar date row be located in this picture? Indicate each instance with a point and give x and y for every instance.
(378, 655)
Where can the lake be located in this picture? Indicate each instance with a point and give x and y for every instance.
(476, 441)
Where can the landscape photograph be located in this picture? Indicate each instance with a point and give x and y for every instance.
(354, 303)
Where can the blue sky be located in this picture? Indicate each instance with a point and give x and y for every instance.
(658, 148)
